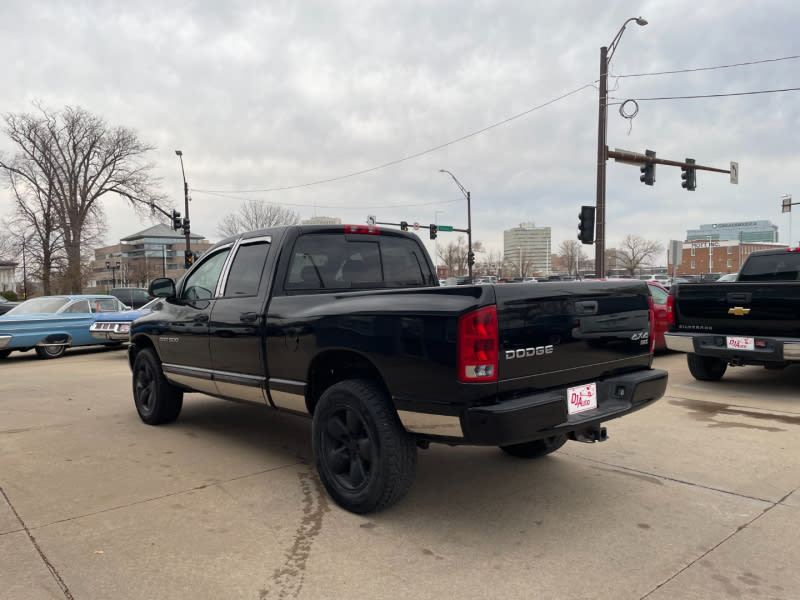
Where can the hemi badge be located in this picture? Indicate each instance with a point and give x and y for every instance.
(738, 311)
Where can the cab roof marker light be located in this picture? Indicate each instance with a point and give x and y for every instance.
(368, 229)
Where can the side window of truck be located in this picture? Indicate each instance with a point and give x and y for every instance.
(202, 282)
(246, 269)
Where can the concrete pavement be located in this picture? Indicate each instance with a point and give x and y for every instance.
(694, 497)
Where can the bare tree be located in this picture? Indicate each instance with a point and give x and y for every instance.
(572, 255)
(256, 214)
(71, 160)
(635, 251)
(454, 255)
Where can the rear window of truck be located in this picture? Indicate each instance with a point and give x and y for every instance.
(336, 262)
(771, 267)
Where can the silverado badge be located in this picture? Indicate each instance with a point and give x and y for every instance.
(738, 311)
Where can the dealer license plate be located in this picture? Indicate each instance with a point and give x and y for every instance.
(581, 398)
(741, 343)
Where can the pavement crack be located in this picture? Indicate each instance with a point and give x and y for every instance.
(168, 495)
(53, 571)
(667, 478)
(718, 544)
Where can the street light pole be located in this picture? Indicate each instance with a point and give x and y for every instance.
(606, 52)
(186, 203)
(469, 220)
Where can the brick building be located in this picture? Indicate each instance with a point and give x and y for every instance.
(701, 257)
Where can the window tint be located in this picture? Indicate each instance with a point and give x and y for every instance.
(202, 282)
(324, 261)
(245, 273)
(771, 267)
(140, 295)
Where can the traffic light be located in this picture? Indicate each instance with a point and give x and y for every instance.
(586, 225)
(404, 225)
(433, 229)
(189, 259)
(648, 170)
(186, 229)
(471, 258)
(176, 220)
(689, 176)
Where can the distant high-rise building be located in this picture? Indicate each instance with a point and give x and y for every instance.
(743, 231)
(322, 221)
(526, 250)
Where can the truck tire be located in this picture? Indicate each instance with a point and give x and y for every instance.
(536, 448)
(157, 401)
(706, 368)
(48, 352)
(364, 457)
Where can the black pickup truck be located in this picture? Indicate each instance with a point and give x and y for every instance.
(754, 320)
(347, 324)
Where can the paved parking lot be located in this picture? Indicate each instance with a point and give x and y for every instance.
(695, 497)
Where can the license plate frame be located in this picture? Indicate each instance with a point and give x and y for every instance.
(740, 343)
(581, 398)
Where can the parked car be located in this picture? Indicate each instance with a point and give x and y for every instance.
(51, 324)
(728, 277)
(115, 326)
(6, 305)
(134, 297)
(660, 295)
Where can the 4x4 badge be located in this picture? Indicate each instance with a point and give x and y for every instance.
(738, 311)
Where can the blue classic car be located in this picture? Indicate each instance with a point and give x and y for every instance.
(51, 324)
(116, 326)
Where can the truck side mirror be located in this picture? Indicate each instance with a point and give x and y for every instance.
(163, 287)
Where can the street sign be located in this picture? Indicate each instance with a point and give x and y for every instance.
(734, 172)
(786, 206)
(445, 228)
(676, 252)
(416, 226)
(371, 219)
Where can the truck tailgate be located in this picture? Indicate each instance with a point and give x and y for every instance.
(741, 308)
(558, 333)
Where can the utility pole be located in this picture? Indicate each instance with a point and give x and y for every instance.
(470, 255)
(186, 229)
(606, 52)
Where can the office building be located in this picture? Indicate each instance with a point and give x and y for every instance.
(526, 251)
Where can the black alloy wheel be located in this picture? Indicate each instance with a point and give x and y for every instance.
(364, 457)
(157, 401)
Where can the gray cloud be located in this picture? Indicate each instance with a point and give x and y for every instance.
(261, 95)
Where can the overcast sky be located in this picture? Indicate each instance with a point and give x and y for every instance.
(262, 95)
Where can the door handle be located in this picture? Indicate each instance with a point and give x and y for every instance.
(248, 317)
(202, 318)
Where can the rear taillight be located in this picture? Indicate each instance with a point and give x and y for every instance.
(670, 310)
(477, 346)
(652, 326)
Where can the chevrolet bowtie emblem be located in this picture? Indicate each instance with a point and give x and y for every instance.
(738, 311)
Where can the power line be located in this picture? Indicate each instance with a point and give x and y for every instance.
(714, 95)
(405, 158)
(742, 64)
(342, 206)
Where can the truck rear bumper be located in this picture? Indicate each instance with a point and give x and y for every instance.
(545, 414)
(766, 349)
